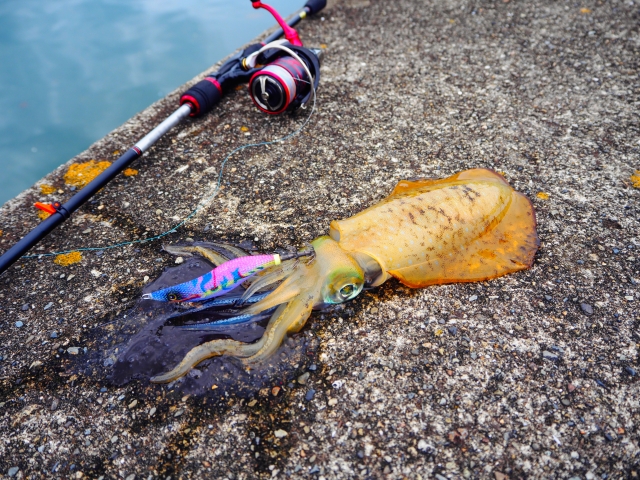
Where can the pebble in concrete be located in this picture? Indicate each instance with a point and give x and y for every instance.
(586, 308)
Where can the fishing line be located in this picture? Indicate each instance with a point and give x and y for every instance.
(207, 199)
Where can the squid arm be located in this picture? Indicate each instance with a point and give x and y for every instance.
(288, 318)
(269, 277)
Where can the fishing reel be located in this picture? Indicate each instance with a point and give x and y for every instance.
(284, 83)
(282, 74)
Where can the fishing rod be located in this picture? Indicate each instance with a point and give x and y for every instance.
(281, 75)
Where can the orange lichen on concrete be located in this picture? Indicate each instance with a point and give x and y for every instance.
(42, 215)
(635, 179)
(130, 172)
(542, 196)
(585, 10)
(47, 189)
(66, 259)
(79, 174)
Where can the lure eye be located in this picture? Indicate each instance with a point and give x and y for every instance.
(173, 297)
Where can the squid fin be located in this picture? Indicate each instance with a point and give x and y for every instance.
(476, 174)
(480, 174)
(507, 247)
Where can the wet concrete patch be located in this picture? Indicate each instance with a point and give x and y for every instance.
(146, 341)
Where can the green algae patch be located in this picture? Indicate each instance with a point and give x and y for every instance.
(80, 174)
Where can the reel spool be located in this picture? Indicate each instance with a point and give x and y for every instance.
(283, 83)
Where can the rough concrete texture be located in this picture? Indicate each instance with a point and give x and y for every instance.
(529, 375)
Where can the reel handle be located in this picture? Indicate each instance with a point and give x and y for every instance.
(289, 32)
(314, 6)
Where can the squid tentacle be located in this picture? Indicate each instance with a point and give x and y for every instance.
(227, 323)
(213, 256)
(272, 275)
(288, 318)
(284, 293)
(225, 301)
(232, 249)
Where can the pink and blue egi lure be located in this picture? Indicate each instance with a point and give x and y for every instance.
(222, 279)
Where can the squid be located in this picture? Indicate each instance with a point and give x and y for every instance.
(470, 227)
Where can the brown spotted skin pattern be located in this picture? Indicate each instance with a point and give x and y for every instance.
(469, 227)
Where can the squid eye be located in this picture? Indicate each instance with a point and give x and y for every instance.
(172, 297)
(343, 289)
(347, 291)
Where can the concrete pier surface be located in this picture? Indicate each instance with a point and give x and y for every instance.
(532, 375)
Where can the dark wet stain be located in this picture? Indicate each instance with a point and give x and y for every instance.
(145, 341)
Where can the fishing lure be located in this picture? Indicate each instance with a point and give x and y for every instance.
(469, 227)
(221, 280)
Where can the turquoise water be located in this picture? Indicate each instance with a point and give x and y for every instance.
(73, 70)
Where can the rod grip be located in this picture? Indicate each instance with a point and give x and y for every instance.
(203, 96)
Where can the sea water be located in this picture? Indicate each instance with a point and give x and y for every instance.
(73, 70)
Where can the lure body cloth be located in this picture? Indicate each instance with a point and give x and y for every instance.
(218, 281)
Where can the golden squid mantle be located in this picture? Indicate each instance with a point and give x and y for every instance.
(469, 227)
